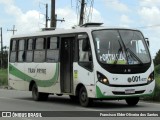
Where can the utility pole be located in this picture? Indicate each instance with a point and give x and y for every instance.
(47, 18)
(13, 30)
(82, 12)
(1, 49)
(53, 15)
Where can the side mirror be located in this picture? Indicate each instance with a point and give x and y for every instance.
(147, 41)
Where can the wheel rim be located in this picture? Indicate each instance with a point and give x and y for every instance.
(83, 96)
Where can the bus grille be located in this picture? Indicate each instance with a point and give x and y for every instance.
(123, 93)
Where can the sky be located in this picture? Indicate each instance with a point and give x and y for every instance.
(29, 16)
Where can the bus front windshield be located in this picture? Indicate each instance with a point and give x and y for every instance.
(121, 47)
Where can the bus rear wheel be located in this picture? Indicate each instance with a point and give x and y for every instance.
(83, 98)
(38, 96)
(132, 101)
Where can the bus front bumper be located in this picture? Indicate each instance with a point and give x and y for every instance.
(104, 91)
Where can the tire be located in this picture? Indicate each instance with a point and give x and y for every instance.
(83, 98)
(37, 96)
(132, 101)
(73, 98)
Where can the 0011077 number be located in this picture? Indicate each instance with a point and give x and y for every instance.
(134, 79)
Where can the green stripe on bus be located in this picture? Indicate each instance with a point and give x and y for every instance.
(41, 83)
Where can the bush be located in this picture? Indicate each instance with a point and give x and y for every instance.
(3, 77)
(156, 95)
(157, 71)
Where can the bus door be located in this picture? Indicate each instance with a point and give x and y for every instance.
(66, 64)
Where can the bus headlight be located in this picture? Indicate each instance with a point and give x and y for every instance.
(150, 78)
(103, 79)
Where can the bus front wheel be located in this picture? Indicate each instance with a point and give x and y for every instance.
(132, 101)
(73, 98)
(83, 97)
(37, 96)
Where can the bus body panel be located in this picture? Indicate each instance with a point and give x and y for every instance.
(18, 83)
(45, 75)
(85, 77)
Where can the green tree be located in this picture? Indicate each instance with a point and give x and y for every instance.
(157, 58)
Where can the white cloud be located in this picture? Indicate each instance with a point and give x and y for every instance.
(117, 5)
(6, 2)
(149, 2)
(96, 16)
(29, 21)
(25, 22)
(125, 19)
(69, 15)
(150, 15)
(13, 10)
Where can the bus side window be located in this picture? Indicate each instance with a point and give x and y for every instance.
(85, 54)
(29, 52)
(52, 49)
(13, 53)
(39, 53)
(21, 52)
(84, 51)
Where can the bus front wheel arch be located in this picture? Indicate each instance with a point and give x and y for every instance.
(31, 85)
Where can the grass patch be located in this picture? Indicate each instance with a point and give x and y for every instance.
(3, 77)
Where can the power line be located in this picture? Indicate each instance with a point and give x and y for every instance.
(84, 9)
(90, 12)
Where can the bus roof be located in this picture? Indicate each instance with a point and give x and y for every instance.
(65, 31)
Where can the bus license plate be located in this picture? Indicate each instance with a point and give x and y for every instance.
(129, 91)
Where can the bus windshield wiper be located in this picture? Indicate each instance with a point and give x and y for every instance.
(133, 54)
(117, 57)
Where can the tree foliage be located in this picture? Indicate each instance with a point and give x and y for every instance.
(157, 58)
